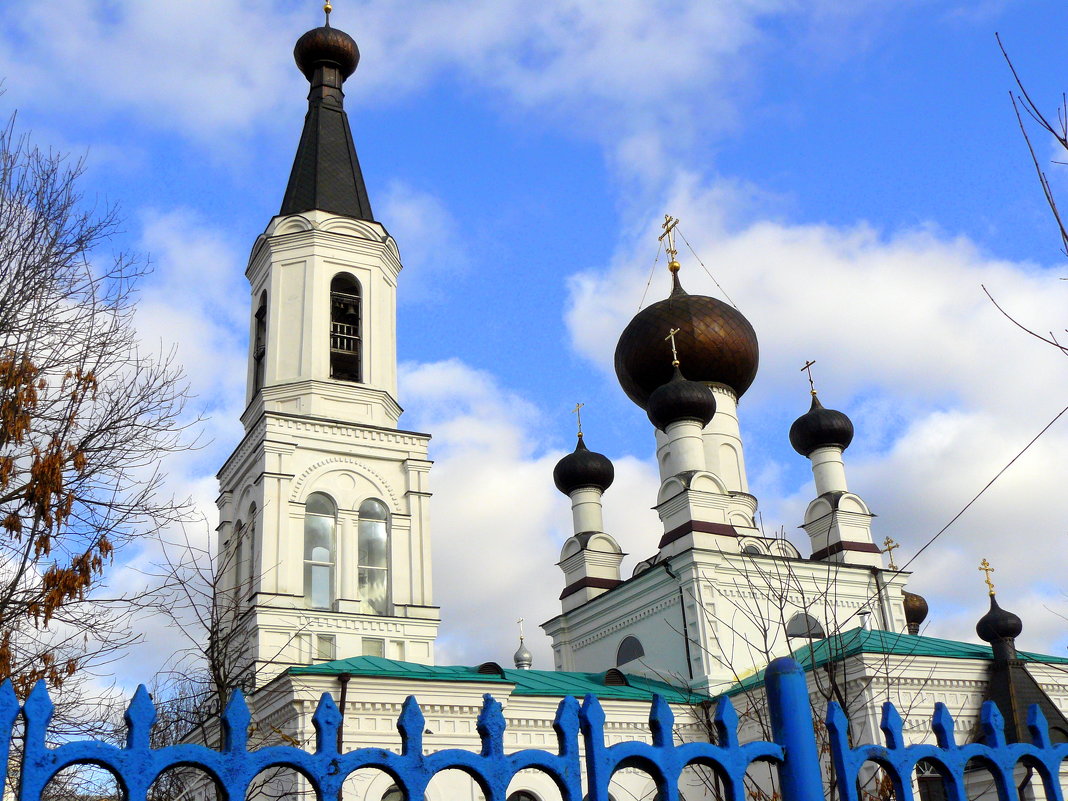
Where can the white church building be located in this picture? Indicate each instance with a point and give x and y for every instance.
(325, 525)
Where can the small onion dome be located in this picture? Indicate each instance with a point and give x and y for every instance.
(680, 399)
(819, 427)
(916, 610)
(329, 46)
(718, 343)
(997, 624)
(583, 468)
(523, 658)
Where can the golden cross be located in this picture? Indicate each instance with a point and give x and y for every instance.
(674, 352)
(985, 567)
(889, 549)
(578, 414)
(808, 369)
(669, 234)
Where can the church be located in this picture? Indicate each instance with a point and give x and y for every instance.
(325, 526)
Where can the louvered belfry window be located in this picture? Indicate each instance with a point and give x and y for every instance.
(346, 323)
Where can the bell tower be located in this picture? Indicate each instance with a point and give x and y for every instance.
(323, 540)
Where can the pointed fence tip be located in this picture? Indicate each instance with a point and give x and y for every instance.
(725, 721)
(891, 724)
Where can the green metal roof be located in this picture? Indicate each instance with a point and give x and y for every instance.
(872, 641)
(555, 683)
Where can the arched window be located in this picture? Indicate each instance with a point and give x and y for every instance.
(629, 650)
(804, 625)
(523, 795)
(239, 557)
(320, 522)
(252, 572)
(259, 344)
(373, 555)
(345, 329)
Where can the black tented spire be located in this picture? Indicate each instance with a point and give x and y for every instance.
(326, 173)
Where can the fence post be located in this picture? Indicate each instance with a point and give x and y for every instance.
(791, 726)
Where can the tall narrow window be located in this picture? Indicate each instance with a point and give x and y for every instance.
(345, 329)
(373, 555)
(320, 522)
(252, 574)
(259, 345)
(239, 559)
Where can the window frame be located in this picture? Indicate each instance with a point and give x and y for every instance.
(346, 335)
(310, 563)
(385, 569)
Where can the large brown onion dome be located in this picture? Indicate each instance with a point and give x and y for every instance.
(583, 468)
(680, 399)
(916, 610)
(328, 46)
(718, 344)
(819, 427)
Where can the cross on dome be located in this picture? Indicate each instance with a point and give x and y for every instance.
(674, 350)
(984, 567)
(669, 226)
(577, 411)
(808, 369)
(888, 542)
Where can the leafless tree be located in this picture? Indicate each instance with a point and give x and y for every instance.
(206, 599)
(1030, 117)
(753, 615)
(85, 417)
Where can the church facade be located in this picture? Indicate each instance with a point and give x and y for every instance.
(325, 533)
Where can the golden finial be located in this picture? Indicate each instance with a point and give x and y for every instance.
(674, 352)
(984, 567)
(808, 369)
(889, 543)
(577, 411)
(669, 246)
(327, 7)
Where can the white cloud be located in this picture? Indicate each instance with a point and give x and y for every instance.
(195, 65)
(943, 390)
(196, 301)
(497, 521)
(432, 245)
(631, 68)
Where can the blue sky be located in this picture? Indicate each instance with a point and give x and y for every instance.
(850, 176)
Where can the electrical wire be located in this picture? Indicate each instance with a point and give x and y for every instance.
(652, 272)
(718, 286)
(988, 485)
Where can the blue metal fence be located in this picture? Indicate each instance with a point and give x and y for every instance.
(579, 773)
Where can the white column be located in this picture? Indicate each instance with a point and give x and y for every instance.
(828, 470)
(586, 509)
(345, 559)
(686, 448)
(723, 441)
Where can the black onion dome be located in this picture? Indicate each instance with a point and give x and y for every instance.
(819, 427)
(716, 341)
(326, 45)
(916, 610)
(997, 624)
(583, 468)
(680, 399)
